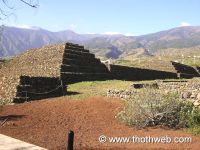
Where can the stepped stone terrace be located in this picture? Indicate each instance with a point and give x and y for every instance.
(46, 72)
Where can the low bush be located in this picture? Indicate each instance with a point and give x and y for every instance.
(151, 108)
(191, 118)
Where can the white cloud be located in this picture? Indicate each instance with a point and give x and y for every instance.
(183, 24)
(72, 26)
(23, 26)
(117, 33)
(91, 33)
(128, 34)
(111, 33)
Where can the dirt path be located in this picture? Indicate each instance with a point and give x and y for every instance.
(46, 123)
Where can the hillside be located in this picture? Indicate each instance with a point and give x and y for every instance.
(17, 40)
(181, 37)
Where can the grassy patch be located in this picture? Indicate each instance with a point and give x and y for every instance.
(96, 88)
(194, 130)
(191, 62)
(99, 88)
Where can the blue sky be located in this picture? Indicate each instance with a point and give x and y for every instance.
(131, 17)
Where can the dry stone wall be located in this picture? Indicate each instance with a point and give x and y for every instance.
(132, 73)
(187, 90)
(185, 71)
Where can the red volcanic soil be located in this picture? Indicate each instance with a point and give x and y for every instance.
(47, 122)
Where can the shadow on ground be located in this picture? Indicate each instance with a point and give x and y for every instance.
(11, 117)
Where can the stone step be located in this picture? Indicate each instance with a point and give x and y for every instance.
(20, 96)
(26, 80)
(82, 62)
(75, 50)
(80, 57)
(80, 53)
(74, 45)
(40, 88)
(35, 88)
(84, 69)
(20, 99)
(86, 50)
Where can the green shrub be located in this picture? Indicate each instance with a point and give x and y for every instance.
(151, 108)
(189, 114)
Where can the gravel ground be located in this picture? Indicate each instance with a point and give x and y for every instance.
(45, 123)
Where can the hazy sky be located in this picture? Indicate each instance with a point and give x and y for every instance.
(132, 17)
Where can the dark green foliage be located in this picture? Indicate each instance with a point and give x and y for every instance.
(4, 60)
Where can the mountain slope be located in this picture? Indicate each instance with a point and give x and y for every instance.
(17, 40)
(181, 37)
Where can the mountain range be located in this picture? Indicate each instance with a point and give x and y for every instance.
(17, 40)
